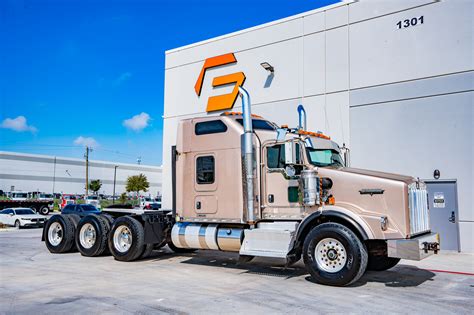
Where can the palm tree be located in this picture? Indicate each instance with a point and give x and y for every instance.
(137, 183)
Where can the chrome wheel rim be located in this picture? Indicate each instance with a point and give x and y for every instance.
(55, 234)
(122, 239)
(331, 255)
(87, 235)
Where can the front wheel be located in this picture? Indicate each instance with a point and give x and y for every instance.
(334, 255)
(17, 224)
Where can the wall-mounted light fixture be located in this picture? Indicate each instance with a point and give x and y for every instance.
(436, 174)
(267, 67)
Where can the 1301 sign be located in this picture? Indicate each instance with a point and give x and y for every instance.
(410, 22)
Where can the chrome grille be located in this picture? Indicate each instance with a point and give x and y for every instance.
(419, 212)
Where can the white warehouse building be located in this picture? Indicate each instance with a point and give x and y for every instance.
(51, 174)
(393, 80)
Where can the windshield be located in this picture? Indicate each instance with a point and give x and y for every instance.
(324, 157)
(92, 198)
(88, 208)
(24, 211)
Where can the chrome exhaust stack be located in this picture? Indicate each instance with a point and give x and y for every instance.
(301, 118)
(248, 155)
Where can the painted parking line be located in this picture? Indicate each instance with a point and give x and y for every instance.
(452, 272)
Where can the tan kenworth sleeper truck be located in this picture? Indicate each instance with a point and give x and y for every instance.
(243, 184)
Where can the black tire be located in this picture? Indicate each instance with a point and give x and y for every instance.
(44, 210)
(137, 234)
(66, 233)
(147, 250)
(381, 263)
(75, 218)
(109, 218)
(18, 224)
(355, 251)
(100, 227)
(178, 250)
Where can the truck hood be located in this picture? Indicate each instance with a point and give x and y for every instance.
(383, 175)
(348, 184)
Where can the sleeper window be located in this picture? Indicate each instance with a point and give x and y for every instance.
(209, 127)
(205, 170)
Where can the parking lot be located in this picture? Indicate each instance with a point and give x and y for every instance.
(34, 281)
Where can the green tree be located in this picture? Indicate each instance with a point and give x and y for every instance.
(137, 183)
(123, 198)
(95, 185)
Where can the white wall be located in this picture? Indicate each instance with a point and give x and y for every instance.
(29, 172)
(339, 60)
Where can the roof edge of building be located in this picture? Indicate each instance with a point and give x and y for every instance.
(77, 160)
(253, 28)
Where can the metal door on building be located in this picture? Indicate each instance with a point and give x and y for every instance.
(443, 203)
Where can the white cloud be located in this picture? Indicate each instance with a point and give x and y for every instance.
(137, 122)
(18, 124)
(122, 78)
(86, 142)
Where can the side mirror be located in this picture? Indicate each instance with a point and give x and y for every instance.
(290, 153)
(12, 214)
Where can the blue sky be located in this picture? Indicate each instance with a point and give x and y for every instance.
(92, 72)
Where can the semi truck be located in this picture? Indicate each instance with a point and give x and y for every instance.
(20, 199)
(243, 184)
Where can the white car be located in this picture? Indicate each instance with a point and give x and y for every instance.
(20, 217)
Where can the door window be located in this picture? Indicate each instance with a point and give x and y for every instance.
(276, 156)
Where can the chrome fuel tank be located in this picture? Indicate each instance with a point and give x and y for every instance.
(207, 236)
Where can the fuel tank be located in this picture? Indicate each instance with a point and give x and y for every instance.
(207, 236)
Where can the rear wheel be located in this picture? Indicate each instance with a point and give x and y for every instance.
(127, 239)
(58, 234)
(148, 249)
(381, 263)
(75, 218)
(91, 235)
(334, 255)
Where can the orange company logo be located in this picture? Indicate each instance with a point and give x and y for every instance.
(224, 101)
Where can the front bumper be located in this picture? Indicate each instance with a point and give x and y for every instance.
(32, 224)
(417, 248)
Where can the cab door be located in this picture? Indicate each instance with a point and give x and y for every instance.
(281, 195)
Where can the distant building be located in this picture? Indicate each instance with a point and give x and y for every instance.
(54, 174)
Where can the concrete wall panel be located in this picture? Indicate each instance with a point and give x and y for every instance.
(415, 137)
(337, 60)
(369, 9)
(382, 53)
(314, 68)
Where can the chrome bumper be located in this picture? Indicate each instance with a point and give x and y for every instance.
(417, 248)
